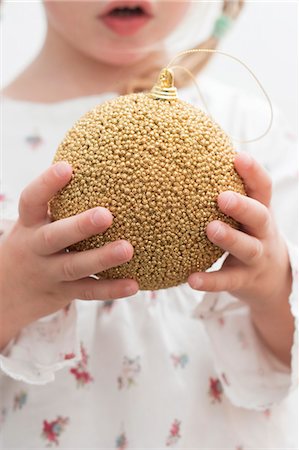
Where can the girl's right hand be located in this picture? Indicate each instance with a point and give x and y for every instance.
(37, 277)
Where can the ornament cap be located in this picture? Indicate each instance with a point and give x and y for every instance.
(164, 88)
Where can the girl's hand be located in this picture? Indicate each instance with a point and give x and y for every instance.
(37, 277)
(257, 269)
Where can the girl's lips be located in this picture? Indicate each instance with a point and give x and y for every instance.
(126, 18)
(125, 26)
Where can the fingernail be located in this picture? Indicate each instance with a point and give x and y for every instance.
(121, 250)
(246, 159)
(229, 199)
(97, 217)
(130, 290)
(218, 232)
(197, 283)
(62, 169)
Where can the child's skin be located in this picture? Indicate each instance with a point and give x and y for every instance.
(37, 278)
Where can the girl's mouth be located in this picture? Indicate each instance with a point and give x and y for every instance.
(126, 18)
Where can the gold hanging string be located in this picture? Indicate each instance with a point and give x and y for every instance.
(193, 78)
(231, 10)
(195, 63)
(206, 50)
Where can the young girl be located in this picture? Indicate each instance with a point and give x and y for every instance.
(209, 364)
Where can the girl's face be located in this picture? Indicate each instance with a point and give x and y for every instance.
(112, 31)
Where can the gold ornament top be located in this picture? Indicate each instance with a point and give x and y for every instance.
(164, 88)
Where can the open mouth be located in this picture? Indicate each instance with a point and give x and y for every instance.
(127, 18)
(127, 11)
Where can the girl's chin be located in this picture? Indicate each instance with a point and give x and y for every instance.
(123, 56)
(121, 59)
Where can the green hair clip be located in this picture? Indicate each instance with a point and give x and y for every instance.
(222, 25)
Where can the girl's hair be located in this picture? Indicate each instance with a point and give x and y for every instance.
(193, 62)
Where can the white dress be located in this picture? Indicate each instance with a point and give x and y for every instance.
(171, 368)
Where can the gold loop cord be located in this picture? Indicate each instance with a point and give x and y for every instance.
(206, 50)
(196, 85)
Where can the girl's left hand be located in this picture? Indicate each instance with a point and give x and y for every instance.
(257, 269)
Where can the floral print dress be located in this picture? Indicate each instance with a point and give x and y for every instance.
(174, 368)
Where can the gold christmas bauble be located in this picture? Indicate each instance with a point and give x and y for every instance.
(158, 164)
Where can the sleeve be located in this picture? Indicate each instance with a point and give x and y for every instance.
(42, 348)
(250, 375)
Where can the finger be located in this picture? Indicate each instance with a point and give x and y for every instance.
(58, 235)
(33, 204)
(90, 289)
(245, 248)
(229, 279)
(253, 215)
(257, 181)
(76, 265)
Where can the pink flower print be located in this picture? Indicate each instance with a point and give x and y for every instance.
(290, 135)
(80, 371)
(121, 442)
(267, 413)
(130, 369)
(221, 321)
(19, 400)
(174, 433)
(153, 295)
(4, 198)
(85, 357)
(215, 390)
(82, 376)
(69, 356)
(52, 430)
(33, 140)
(180, 360)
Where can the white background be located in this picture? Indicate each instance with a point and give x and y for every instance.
(265, 37)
